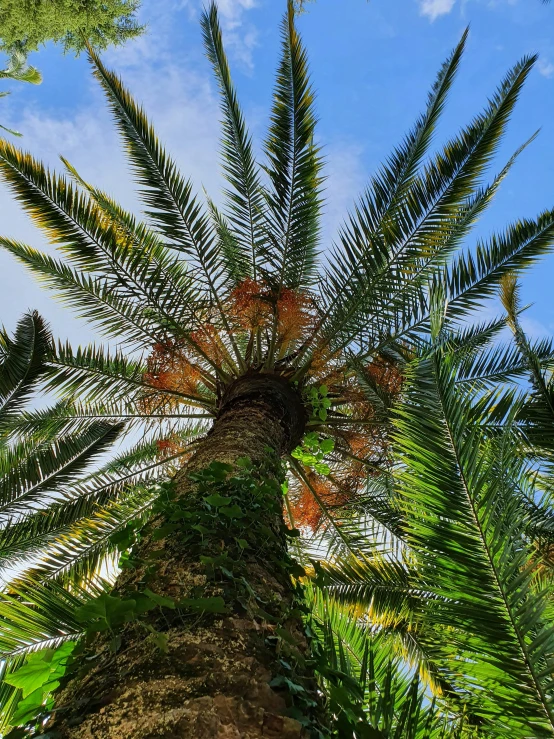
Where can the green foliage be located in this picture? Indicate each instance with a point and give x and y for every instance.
(24, 26)
(372, 692)
(312, 452)
(37, 678)
(61, 513)
(37, 619)
(466, 529)
(19, 70)
(430, 605)
(293, 202)
(320, 403)
(106, 612)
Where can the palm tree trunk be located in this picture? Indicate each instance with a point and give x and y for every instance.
(179, 670)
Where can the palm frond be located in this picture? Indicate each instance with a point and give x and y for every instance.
(33, 617)
(369, 685)
(172, 208)
(360, 240)
(100, 377)
(131, 260)
(538, 412)
(389, 258)
(463, 523)
(81, 498)
(76, 552)
(245, 198)
(30, 472)
(21, 365)
(294, 168)
(472, 278)
(93, 298)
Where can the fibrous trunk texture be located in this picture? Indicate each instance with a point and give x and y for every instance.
(216, 543)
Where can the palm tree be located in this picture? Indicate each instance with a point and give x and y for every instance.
(267, 372)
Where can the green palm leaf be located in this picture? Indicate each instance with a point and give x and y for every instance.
(360, 241)
(31, 472)
(462, 520)
(538, 412)
(171, 206)
(127, 474)
(293, 203)
(21, 364)
(100, 377)
(384, 251)
(369, 684)
(34, 617)
(245, 199)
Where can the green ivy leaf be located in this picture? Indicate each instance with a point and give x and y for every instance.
(218, 471)
(29, 708)
(234, 511)
(124, 538)
(106, 612)
(280, 681)
(201, 529)
(41, 668)
(143, 603)
(180, 515)
(311, 440)
(164, 531)
(160, 639)
(159, 600)
(327, 445)
(217, 500)
(31, 677)
(209, 605)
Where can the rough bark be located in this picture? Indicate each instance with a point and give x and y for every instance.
(213, 679)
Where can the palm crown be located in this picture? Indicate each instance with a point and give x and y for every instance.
(441, 537)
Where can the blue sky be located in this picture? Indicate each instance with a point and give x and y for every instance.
(372, 65)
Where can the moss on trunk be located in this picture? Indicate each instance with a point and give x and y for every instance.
(225, 654)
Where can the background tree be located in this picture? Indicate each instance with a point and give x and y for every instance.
(26, 25)
(19, 70)
(344, 385)
(302, 5)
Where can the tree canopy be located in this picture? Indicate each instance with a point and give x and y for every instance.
(27, 24)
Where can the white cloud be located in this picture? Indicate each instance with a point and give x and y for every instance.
(545, 68)
(346, 179)
(232, 10)
(434, 8)
(240, 36)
